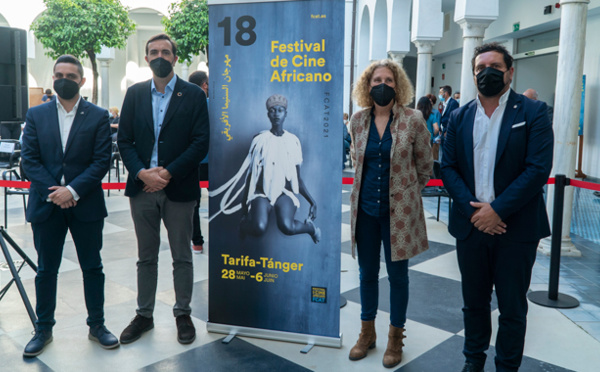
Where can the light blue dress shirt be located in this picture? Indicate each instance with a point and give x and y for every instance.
(160, 104)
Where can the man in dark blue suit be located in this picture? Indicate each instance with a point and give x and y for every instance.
(66, 153)
(497, 158)
(163, 135)
(450, 104)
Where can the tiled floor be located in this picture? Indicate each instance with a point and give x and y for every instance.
(556, 340)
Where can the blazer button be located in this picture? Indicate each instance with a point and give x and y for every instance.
(64, 165)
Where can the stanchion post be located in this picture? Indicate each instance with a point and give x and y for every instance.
(557, 218)
(552, 298)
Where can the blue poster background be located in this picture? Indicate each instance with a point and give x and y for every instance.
(305, 297)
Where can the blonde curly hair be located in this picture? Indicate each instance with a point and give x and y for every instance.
(404, 89)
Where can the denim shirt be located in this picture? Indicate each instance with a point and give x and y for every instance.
(374, 193)
(160, 104)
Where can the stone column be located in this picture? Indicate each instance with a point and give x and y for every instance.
(104, 65)
(185, 69)
(472, 37)
(427, 29)
(105, 56)
(424, 52)
(473, 16)
(397, 57)
(566, 111)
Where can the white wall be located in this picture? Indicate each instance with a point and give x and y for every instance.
(591, 129)
(537, 73)
(453, 64)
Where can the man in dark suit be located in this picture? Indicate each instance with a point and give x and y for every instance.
(163, 135)
(497, 158)
(450, 104)
(66, 153)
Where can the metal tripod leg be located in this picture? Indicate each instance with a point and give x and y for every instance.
(16, 278)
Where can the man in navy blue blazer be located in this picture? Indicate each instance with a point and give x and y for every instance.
(497, 158)
(66, 153)
(450, 104)
(163, 135)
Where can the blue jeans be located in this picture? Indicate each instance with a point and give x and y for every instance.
(370, 232)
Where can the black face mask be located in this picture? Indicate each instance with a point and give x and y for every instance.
(382, 94)
(65, 88)
(490, 82)
(161, 67)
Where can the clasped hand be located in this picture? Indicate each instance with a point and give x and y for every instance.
(486, 219)
(155, 179)
(62, 197)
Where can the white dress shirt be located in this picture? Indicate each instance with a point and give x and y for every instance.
(485, 143)
(65, 122)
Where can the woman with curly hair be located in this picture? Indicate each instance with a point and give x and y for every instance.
(390, 147)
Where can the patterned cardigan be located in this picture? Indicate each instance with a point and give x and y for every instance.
(410, 169)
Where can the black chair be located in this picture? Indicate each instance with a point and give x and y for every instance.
(10, 156)
(115, 159)
(437, 191)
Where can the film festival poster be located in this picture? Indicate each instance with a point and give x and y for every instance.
(276, 101)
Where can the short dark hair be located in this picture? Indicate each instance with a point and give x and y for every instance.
(67, 58)
(48, 91)
(198, 78)
(162, 37)
(447, 89)
(492, 47)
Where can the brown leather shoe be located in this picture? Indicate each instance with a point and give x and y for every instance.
(393, 353)
(366, 340)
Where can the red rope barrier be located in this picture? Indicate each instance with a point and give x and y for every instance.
(345, 181)
(105, 186)
(585, 185)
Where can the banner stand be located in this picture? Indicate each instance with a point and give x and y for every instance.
(275, 107)
(275, 335)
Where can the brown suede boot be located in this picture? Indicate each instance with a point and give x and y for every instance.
(393, 353)
(366, 341)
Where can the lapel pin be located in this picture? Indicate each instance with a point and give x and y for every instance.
(81, 113)
(515, 106)
(179, 94)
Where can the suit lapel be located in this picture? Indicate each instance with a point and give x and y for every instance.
(398, 116)
(364, 135)
(80, 115)
(512, 106)
(147, 109)
(468, 123)
(54, 126)
(179, 94)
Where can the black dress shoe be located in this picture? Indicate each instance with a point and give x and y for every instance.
(37, 343)
(136, 328)
(103, 336)
(186, 332)
(470, 367)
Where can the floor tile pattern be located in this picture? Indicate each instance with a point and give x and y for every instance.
(566, 340)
